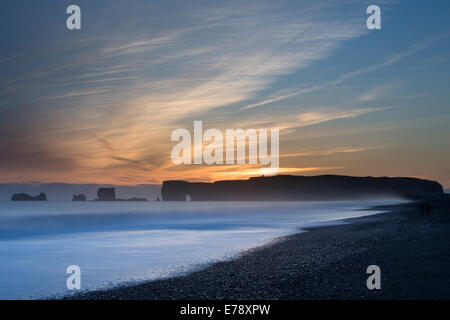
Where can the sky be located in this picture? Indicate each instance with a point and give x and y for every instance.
(98, 105)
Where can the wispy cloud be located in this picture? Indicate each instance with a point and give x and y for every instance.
(292, 92)
(316, 117)
(140, 46)
(329, 152)
(309, 118)
(78, 94)
(377, 92)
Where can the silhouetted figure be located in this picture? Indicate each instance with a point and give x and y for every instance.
(428, 209)
(425, 209)
(422, 209)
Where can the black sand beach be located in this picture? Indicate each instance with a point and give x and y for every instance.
(413, 253)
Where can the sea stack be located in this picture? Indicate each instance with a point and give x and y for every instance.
(106, 194)
(79, 197)
(25, 197)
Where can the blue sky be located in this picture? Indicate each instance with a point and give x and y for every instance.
(98, 105)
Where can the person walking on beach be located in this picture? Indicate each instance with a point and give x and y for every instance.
(428, 209)
(425, 209)
(422, 209)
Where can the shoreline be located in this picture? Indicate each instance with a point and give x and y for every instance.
(327, 262)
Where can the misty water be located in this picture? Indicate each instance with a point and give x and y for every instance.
(117, 243)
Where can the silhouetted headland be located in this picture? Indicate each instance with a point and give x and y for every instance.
(25, 197)
(109, 194)
(301, 188)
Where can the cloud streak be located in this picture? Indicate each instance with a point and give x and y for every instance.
(289, 93)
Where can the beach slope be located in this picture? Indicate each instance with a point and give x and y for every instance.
(413, 252)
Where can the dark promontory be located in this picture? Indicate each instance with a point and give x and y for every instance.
(301, 188)
(25, 197)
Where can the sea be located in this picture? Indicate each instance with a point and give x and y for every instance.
(122, 243)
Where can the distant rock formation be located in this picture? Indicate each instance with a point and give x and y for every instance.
(133, 199)
(25, 197)
(109, 194)
(301, 188)
(106, 194)
(79, 197)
